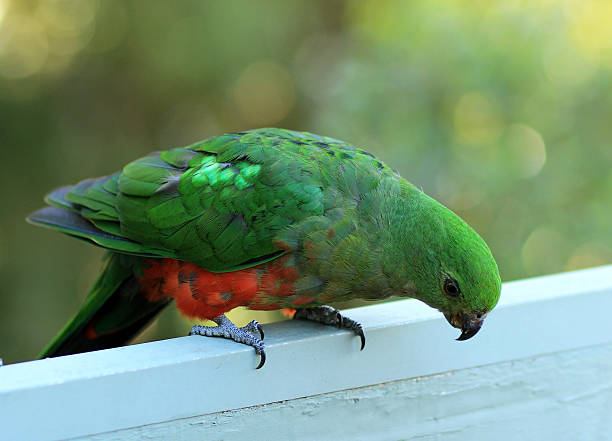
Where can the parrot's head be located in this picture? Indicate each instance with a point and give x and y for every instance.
(472, 284)
(455, 272)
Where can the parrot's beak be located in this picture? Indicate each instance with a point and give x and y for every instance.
(469, 324)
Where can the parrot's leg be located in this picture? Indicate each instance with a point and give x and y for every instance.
(226, 329)
(331, 316)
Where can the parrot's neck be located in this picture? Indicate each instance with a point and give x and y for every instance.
(388, 248)
(416, 226)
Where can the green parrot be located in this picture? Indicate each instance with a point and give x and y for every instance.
(265, 219)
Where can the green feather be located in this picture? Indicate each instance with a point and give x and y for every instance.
(178, 157)
(134, 187)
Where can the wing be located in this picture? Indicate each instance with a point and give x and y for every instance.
(220, 203)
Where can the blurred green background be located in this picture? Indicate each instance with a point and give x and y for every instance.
(502, 110)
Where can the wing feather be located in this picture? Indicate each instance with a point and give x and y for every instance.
(224, 203)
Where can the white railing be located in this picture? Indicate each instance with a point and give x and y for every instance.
(541, 368)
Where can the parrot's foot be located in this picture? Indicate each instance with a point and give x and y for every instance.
(330, 316)
(226, 329)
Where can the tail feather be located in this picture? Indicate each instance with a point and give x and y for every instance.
(72, 223)
(58, 198)
(113, 313)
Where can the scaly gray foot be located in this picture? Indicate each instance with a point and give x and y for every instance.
(330, 316)
(226, 329)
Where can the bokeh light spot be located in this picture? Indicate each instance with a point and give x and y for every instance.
(4, 4)
(24, 47)
(45, 36)
(69, 24)
(524, 150)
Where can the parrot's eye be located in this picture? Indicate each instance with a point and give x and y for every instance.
(451, 287)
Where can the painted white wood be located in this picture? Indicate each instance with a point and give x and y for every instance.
(560, 396)
(152, 383)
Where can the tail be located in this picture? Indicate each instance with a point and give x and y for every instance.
(115, 309)
(114, 312)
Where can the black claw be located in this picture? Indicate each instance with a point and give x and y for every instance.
(361, 335)
(358, 330)
(348, 323)
(260, 329)
(262, 354)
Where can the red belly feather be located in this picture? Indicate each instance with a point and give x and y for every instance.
(203, 295)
